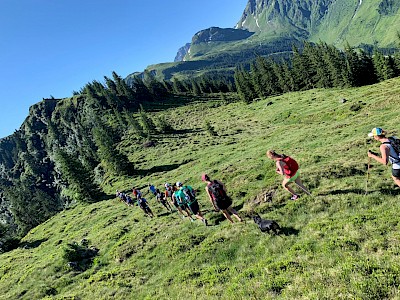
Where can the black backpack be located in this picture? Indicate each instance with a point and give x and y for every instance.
(395, 143)
(189, 196)
(217, 191)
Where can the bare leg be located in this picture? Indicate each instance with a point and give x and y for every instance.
(234, 212)
(396, 180)
(188, 212)
(227, 215)
(300, 185)
(285, 184)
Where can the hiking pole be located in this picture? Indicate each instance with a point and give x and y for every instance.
(368, 167)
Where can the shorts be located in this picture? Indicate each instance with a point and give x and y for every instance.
(396, 173)
(293, 178)
(224, 203)
(194, 207)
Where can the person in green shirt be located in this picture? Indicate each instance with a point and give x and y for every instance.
(181, 206)
(186, 195)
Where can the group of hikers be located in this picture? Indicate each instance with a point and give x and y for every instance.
(183, 197)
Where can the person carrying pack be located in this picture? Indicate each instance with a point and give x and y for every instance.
(186, 195)
(152, 189)
(169, 191)
(390, 152)
(288, 167)
(142, 203)
(161, 198)
(216, 191)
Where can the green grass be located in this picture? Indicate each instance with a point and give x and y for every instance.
(339, 243)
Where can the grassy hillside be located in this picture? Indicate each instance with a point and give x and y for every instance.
(338, 244)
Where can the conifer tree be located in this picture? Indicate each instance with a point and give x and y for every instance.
(133, 124)
(30, 205)
(81, 184)
(111, 85)
(147, 123)
(111, 158)
(244, 86)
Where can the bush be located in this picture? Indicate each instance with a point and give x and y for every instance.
(79, 257)
(210, 129)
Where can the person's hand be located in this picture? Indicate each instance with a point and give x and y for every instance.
(371, 154)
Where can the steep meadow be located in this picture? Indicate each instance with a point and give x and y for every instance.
(339, 243)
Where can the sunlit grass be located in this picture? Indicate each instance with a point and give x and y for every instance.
(339, 243)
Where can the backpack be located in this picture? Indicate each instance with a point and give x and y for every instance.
(168, 193)
(142, 202)
(189, 196)
(217, 191)
(395, 143)
(161, 196)
(291, 166)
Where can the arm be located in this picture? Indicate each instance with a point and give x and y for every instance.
(384, 153)
(211, 199)
(279, 167)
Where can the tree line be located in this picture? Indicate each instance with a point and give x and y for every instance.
(316, 66)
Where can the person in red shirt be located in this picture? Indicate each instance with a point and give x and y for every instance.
(288, 167)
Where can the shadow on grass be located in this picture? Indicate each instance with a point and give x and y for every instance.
(167, 213)
(393, 192)
(289, 231)
(32, 244)
(157, 169)
(344, 191)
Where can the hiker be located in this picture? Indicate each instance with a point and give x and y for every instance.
(142, 203)
(136, 193)
(390, 152)
(186, 194)
(169, 190)
(120, 196)
(128, 200)
(161, 198)
(180, 205)
(288, 167)
(152, 189)
(216, 191)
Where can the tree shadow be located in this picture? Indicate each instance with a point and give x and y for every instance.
(31, 244)
(343, 191)
(385, 191)
(158, 169)
(393, 192)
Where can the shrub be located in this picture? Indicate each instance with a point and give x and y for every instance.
(79, 257)
(210, 129)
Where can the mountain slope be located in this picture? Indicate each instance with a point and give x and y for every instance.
(332, 21)
(277, 24)
(338, 242)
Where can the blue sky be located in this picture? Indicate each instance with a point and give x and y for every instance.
(53, 47)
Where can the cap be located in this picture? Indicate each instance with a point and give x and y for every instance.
(166, 184)
(376, 131)
(204, 177)
(179, 183)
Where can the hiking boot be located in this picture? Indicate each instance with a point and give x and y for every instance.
(295, 197)
(205, 222)
(192, 220)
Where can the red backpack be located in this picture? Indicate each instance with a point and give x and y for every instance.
(291, 166)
